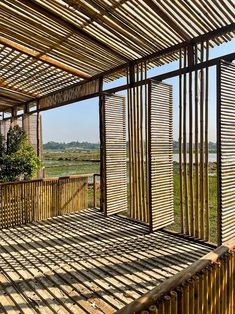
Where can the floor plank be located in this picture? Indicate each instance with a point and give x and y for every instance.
(86, 263)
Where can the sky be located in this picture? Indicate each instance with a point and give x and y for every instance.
(80, 121)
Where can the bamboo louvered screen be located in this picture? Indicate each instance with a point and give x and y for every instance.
(226, 150)
(160, 116)
(193, 143)
(114, 159)
(22, 202)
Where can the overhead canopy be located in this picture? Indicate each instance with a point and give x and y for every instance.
(47, 45)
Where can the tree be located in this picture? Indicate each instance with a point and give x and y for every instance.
(18, 159)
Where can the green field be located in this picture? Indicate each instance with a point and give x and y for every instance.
(66, 163)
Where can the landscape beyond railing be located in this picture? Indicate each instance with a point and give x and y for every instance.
(207, 286)
(34, 200)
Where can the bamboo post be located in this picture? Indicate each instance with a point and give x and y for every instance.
(180, 147)
(94, 190)
(190, 62)
(185, 147)
(196, 150)
(146, 145)
(142, 148)
(130, 166)
(138, 131)
(202, 220)
(207, 225)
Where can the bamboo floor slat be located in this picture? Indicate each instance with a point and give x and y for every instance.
(86, 263)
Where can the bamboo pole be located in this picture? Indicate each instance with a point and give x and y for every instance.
(196, 150)
(207, 225)
(135, 163)
(185, 147)
(202, 220)
(139, 162)
(173, 295)
(129, 116)
(190, 61)
(180, 147)
(146, 145)
(142, 146)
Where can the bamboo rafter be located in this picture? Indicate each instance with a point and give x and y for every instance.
(50, 45)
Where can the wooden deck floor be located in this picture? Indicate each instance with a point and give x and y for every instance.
(85, 263)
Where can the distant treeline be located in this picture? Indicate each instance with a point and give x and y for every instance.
(71, 145)
(87, 146)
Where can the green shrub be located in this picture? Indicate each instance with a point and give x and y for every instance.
(18, 159)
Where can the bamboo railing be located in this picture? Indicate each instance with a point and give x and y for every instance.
(34, 200)
(207, 286)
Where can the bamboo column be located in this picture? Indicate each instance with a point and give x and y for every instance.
(196, 149)
(146, 144)
(180, 147)
(190, 62)
(207, 229)
(185, 146)
(202, 220)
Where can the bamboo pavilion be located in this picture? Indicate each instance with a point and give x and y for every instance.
(58, 253)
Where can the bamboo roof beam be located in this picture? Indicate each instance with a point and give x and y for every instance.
(39, 56)
(14, 89)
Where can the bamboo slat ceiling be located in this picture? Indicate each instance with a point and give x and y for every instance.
(46, 45)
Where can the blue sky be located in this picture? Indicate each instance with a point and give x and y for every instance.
(79, 121)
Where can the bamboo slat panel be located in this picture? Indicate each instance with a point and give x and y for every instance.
(69, 95)
(226, 150)
(25, 201)
(207, 286)
(160, 155)
(114, 157)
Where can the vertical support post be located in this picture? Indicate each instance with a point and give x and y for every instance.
(13, 117)
(102, 146)
(38, 134)
(196, 148)
(191, 190)
(202, 183)
(94, 190)
(180, 146)
(219, 203)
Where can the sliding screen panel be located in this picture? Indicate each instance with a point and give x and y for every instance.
(160, 137)
(226, 151)
(113, 154)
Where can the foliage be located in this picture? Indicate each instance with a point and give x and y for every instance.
(2, 145)
(18, 159)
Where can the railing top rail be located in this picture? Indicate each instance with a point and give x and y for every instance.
(85, 175)
(172, 283)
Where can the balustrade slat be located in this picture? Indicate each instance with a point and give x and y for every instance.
(25, 201)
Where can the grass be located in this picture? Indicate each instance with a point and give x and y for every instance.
(72, 163)
(212, 206)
